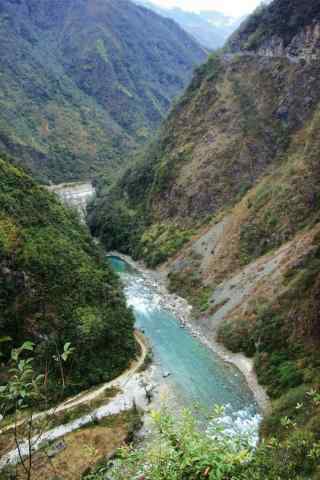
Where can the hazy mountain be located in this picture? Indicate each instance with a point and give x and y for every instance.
(210, 28)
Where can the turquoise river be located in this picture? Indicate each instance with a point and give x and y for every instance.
(198, 376)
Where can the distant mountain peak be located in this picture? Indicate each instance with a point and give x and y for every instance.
(210, 28)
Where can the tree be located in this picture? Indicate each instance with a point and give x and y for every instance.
(24, 394)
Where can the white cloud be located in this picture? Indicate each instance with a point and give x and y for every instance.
(230, 7)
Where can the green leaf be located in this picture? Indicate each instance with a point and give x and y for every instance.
(5, 339)
(28, 346)
(15, 355)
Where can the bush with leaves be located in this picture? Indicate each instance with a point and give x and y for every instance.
(22, 396)
(181, 451)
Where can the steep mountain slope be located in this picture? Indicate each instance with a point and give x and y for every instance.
(56, 287)
(239, 118)
(230, 193)
(83, 82)
(211, 29)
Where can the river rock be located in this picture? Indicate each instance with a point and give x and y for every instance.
(55, 449)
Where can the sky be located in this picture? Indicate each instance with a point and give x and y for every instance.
(230, 7)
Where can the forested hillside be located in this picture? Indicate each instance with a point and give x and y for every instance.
(56, 288)
(84, 82)
(229, 196)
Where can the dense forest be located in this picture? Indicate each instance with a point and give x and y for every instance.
(56, 287)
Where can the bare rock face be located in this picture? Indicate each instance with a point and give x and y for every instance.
(304, 46)
(75, 195)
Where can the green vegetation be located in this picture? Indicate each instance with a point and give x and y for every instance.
(207, 72)
(283, 337)
(284, 357)
(124, 229)
(182, 452)
(160, 242)
(120, 212)
(57, 289)
(238, 336)
(287, 201)
(25, 391)
(188, 284)
(77, 95)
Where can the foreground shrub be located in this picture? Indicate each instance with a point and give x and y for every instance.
(181, 451)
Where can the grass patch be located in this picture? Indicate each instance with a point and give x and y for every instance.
(162, 241)
(188, 284)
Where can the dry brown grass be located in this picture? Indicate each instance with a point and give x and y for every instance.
(84, 449)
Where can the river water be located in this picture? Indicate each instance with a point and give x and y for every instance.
(198, 376)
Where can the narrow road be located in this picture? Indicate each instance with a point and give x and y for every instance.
(82, 398)
(132, 393)
(230, 56)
